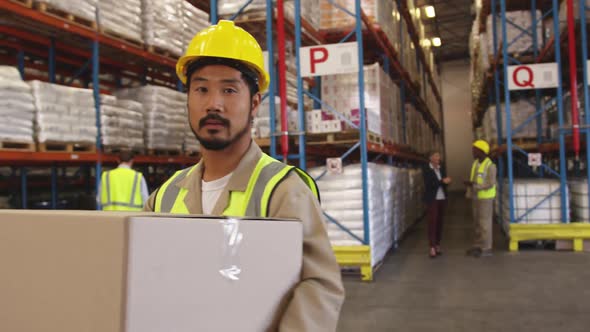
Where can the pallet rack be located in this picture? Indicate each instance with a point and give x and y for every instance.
(67, 50)
(561, 49)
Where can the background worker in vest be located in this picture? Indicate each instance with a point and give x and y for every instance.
(223, 70)
(123, 189)
(481, 188)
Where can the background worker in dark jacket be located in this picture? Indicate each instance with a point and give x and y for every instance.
(435, 197)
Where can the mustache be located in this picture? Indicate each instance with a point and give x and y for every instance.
(214, 117)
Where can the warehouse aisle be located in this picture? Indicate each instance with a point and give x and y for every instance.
(530, 291)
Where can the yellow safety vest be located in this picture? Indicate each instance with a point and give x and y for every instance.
(254, 202)
(482, 171)
(121, 190)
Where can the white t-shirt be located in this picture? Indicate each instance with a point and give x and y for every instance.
(440, 194)
(211, 191)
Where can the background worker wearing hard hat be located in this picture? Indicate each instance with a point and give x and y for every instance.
(481, 188)
(123, 189)
(223, 70)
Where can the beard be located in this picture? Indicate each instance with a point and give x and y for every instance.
(218, 144)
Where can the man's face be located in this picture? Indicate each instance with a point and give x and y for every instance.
(220, 107)
(476, 152)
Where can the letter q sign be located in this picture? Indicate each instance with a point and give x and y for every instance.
(537, 76)
(329, 59)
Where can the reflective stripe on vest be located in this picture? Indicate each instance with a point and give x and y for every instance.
(482, 172)
(123, 193)
(254, 202)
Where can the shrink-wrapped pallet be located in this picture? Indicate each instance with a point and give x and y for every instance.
(532, 201)
(16, 107)
(121, 123)
(122, 18)
(193, 21)
(162, 25)
(85, 9)
(63, 114)
(164, 115)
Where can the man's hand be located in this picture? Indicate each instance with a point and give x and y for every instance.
(447, 180)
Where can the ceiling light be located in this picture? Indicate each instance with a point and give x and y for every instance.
(436, 42)
(426, 43)
(429, 10)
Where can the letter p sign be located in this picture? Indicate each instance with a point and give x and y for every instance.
(318, 55)
(329, 59)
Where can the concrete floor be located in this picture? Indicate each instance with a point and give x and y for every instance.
(534, 290)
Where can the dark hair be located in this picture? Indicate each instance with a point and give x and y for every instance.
(432, 152)
(125, 156)
(248, 74)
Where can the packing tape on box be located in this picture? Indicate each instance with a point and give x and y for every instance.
(232, 238)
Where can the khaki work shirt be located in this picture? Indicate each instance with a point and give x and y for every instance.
(315, 302)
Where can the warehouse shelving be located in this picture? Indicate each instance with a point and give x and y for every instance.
(69, 50)
(555, 151)
(371, 38)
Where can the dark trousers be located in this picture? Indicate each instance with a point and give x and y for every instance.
(436, 210)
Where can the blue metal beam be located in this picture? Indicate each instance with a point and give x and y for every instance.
(52, 60)
(23, 187)
(363, 124)
(20, 58)
(96, 93)
(584, 38)
(300, 91)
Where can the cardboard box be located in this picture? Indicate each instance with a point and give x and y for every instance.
(74, 271)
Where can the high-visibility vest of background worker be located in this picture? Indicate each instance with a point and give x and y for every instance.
(481, 188)
(123, 188)
(223, 70)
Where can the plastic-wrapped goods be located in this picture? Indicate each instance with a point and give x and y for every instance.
(378, 11)
(193, 21)
(342, 200)
(394, 204)
(164, 115)
(121, 122)
(579, 200)
(63, 114)
(310, 12)
(519, 42)
(16, 107)
(520, 111)
(162, 25)
(382, 100)
(533, 193)
(230, 7)
(122, 18)
(261, 127)
(85, 9)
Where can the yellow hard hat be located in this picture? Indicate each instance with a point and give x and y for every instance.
(225, 40)
(482, 145)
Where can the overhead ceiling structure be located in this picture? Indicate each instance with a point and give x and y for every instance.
(452, 24)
